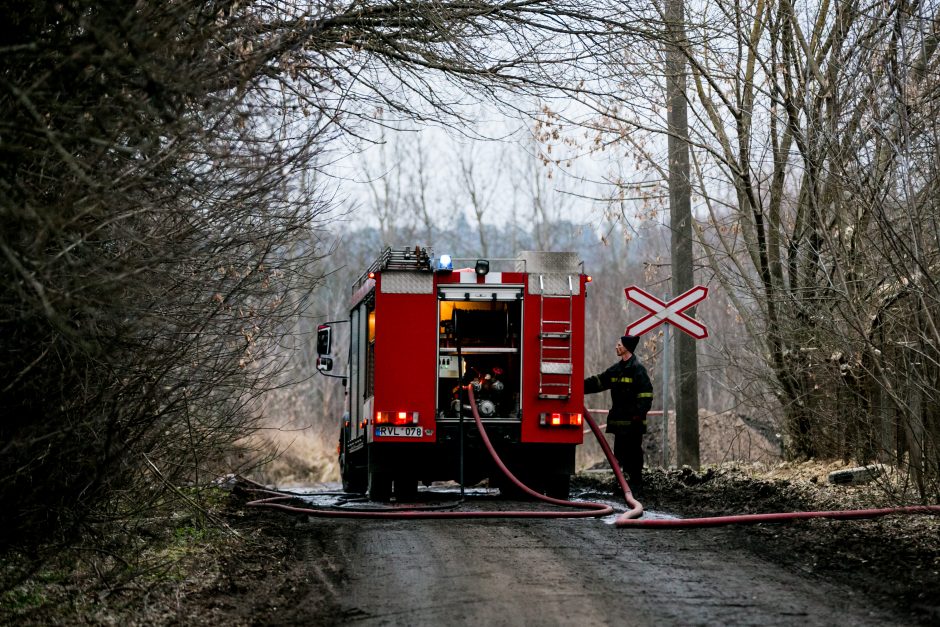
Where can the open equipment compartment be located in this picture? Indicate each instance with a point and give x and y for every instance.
(481, 339)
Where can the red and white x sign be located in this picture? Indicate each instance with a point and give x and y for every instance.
(670, 312)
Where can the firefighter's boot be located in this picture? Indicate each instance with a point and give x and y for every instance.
(635, 481)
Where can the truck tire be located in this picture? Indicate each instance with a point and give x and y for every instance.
(558, 486)
(380, 486)
(354, 479)
(406, 488)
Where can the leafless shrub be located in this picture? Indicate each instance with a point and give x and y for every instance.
(156, 237)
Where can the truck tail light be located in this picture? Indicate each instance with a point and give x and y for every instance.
(557, 419)
(396, 417)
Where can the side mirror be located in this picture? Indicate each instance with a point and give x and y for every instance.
(324, 340)
(324, 364)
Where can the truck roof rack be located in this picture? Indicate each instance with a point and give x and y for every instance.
(417, 258)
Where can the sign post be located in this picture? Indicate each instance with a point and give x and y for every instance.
(667, 312)
(666, 396)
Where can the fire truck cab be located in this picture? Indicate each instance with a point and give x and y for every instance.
(420, 330)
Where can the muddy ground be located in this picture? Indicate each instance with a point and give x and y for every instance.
(891, 562)
(287, 569)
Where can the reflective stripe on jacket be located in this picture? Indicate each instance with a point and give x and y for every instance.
(631, 394)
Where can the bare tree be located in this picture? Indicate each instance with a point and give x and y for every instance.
(418, 188)
(479, 189)
(814, 159)
(384, 179)
(156, 238)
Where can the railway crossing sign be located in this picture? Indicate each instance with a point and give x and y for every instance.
(670, 312)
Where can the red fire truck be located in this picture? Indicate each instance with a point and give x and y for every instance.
(420, 330)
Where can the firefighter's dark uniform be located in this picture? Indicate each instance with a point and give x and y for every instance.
(631, 396)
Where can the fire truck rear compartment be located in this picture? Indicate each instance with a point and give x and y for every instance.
(480, 341)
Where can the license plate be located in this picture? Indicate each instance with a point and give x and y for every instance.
(399, 432)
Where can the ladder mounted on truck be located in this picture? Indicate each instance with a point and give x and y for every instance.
(555, 277)
(555, 344)
(417, 258)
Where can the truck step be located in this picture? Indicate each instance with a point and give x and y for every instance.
(555, 397)
(562, 335)
(556, 367)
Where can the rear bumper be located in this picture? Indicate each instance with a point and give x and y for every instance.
(441, 460)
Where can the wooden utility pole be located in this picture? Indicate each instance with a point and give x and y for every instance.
(680, 211)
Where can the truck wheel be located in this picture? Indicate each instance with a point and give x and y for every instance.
(354, 479)
(406, 489)
(380, 486)
(558, 486)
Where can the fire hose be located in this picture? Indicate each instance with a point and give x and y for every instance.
(584, 509)
(629, 518)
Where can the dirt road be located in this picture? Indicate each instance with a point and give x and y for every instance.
(534, 572)
(288, 569)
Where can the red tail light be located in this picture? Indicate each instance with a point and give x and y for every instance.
(559, 419)
(396, 417)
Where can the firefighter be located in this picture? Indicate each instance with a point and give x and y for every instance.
(631, 396)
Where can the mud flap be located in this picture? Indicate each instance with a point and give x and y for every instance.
(352, 474)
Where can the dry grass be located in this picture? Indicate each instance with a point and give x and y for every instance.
(301, 449)
(724, 437)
